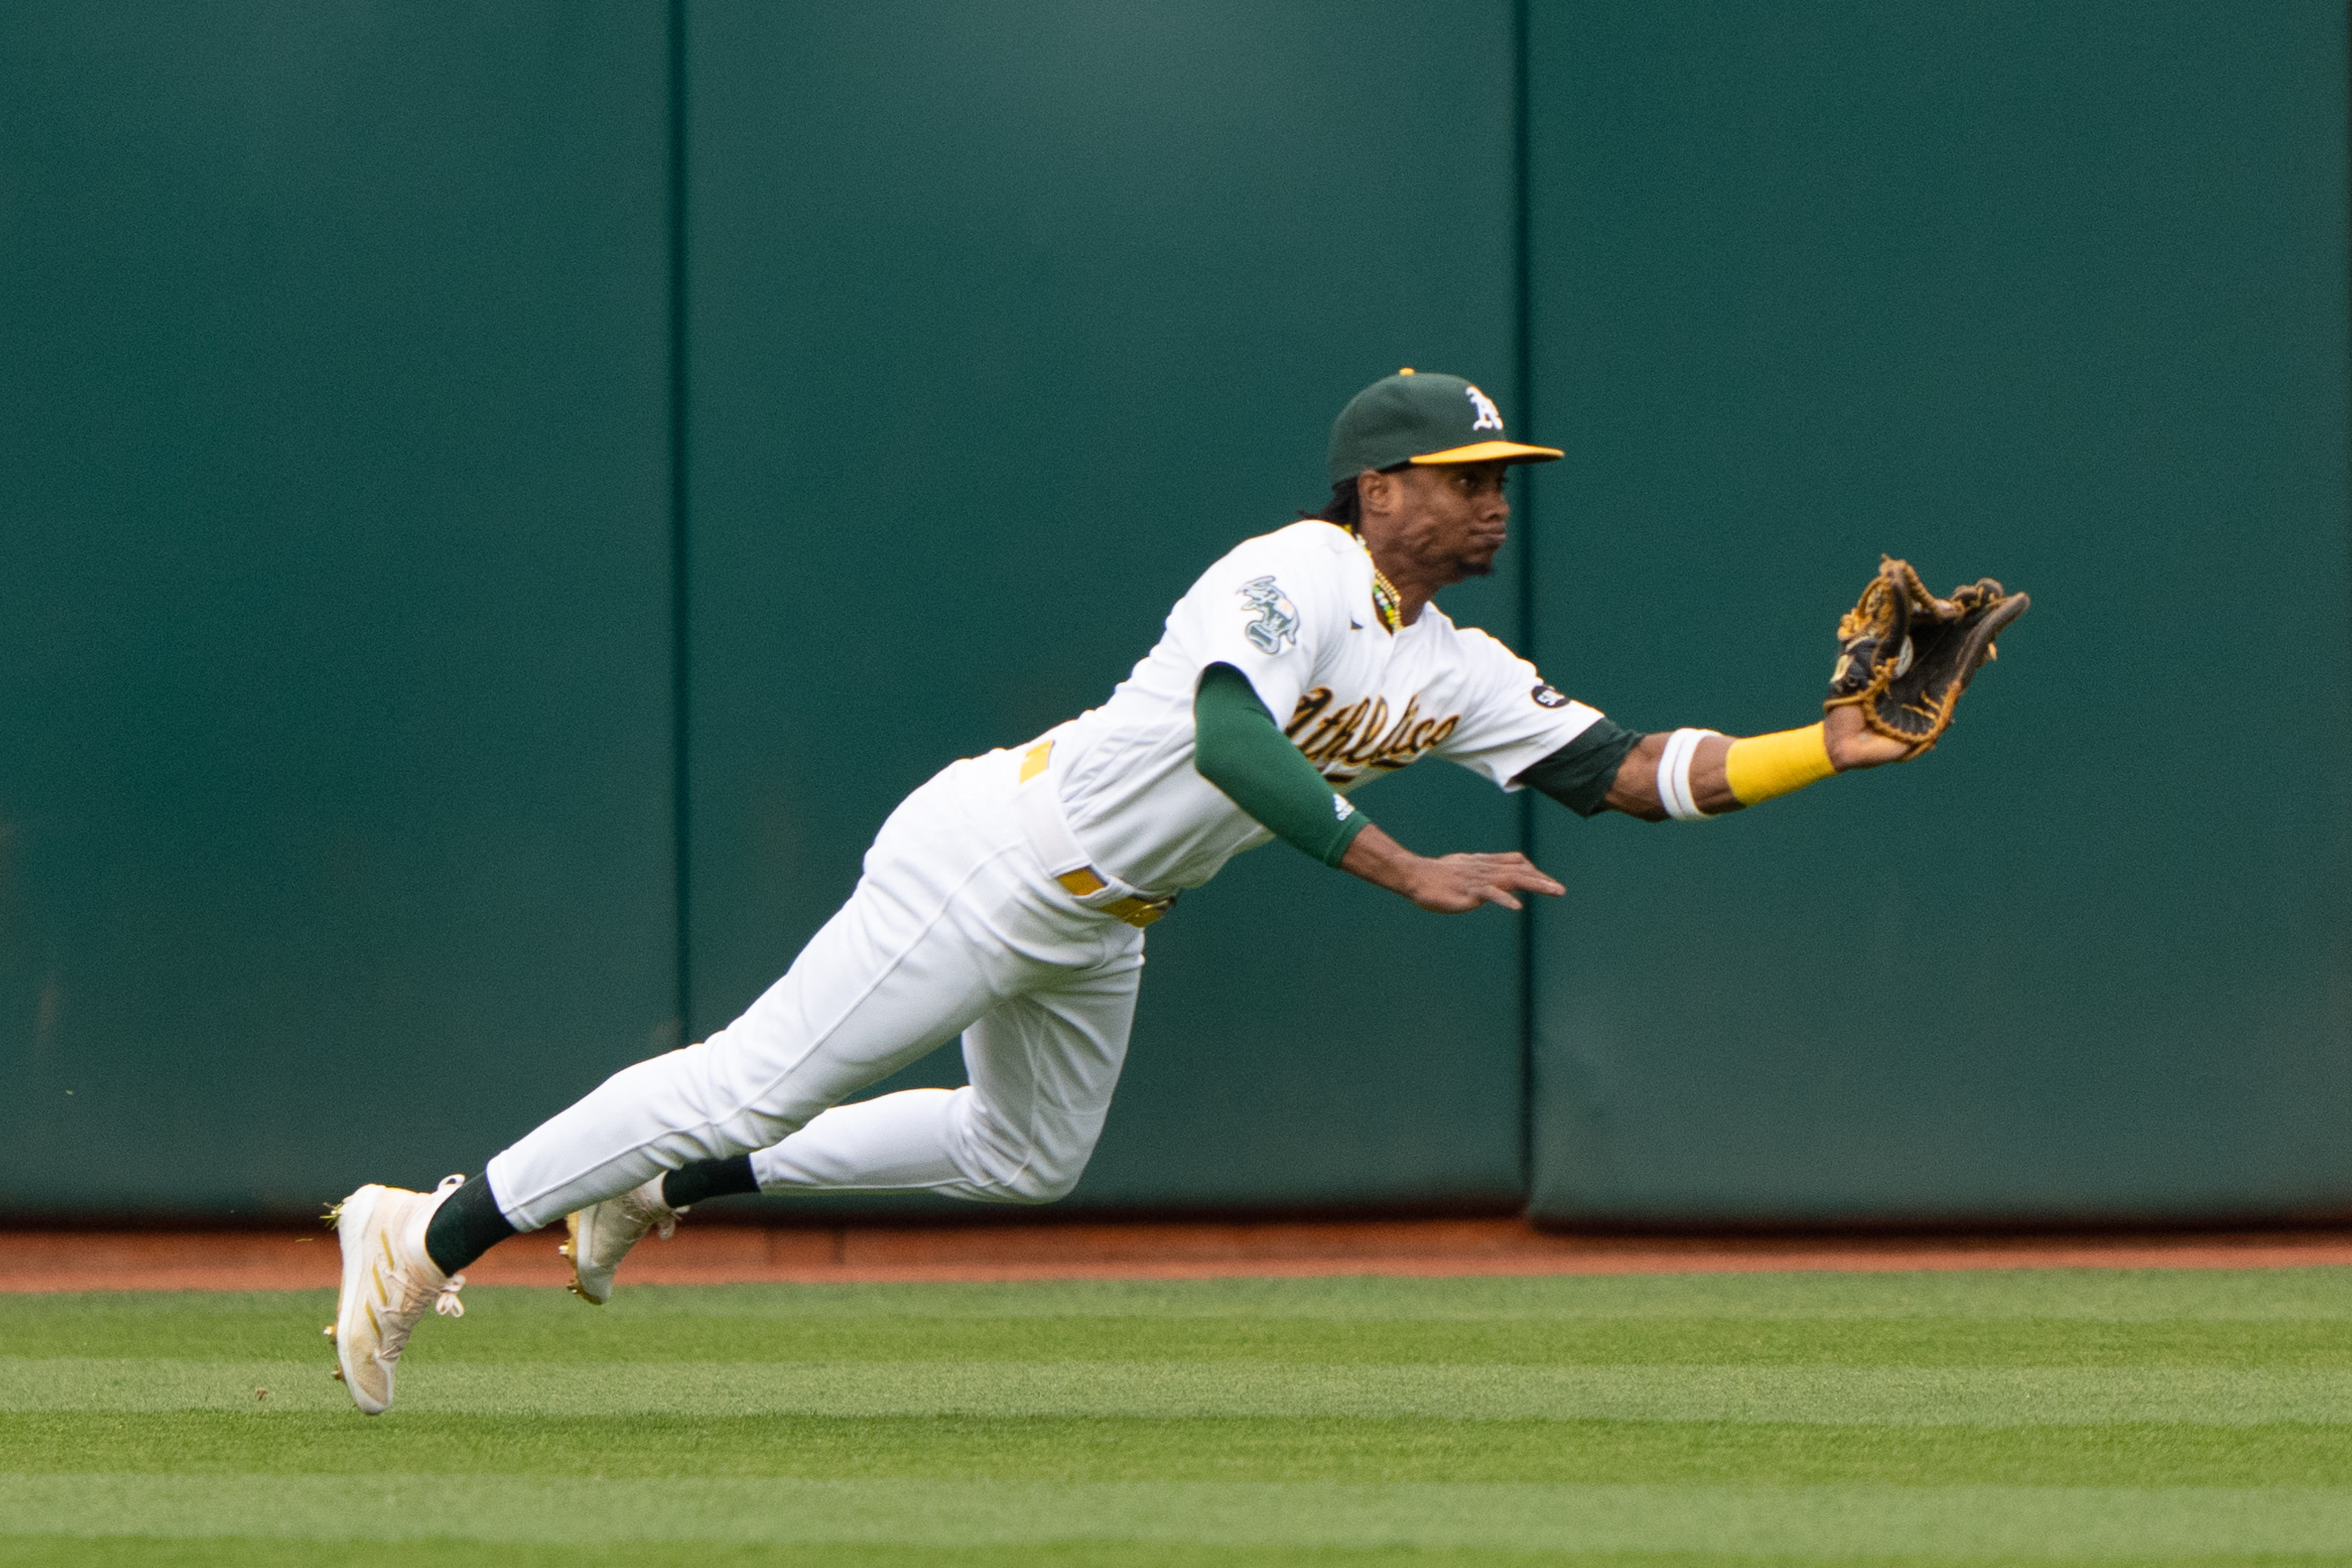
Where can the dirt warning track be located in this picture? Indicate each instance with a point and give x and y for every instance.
(719, 1253)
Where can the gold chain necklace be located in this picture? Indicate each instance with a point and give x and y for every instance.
(1387, 603)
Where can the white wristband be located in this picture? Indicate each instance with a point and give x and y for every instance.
(1674, 775)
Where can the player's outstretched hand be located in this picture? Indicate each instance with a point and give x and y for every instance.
(1854, 744)
(1448, 884)
(1456, 884)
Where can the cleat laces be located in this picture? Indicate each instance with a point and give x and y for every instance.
(643, 1215)
(647, 1214)
(408, 1311)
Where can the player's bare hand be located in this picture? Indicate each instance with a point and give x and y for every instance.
(1456, 884)
(1854, 744)
(1447, 884)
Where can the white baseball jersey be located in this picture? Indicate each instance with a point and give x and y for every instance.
(1293, 611)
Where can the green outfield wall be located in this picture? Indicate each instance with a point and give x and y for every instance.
(500, 504)
(1008, 319)
(2057, 293)
(334, 621)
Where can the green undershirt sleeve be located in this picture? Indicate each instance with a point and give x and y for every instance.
(1578, 774)
(1239, 747)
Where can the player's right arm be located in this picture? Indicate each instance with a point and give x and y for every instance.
(1239, 749)
(1257, 646)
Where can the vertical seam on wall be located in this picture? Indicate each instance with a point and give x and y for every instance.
(1523, 348)
(681, 842)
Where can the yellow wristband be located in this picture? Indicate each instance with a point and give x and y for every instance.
(1762, 766)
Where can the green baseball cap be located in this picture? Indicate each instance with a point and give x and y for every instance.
(1416, 418)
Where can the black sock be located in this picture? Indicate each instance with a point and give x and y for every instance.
(466, 1225)
(708, 1179)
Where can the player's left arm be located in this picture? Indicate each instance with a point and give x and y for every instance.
(1770, 765)
(1905, 657)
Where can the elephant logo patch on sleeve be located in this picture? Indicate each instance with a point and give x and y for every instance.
(1274, 623)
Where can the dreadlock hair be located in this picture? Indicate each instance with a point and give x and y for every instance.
(1345, 507)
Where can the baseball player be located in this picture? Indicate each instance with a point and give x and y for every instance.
(1006, 900)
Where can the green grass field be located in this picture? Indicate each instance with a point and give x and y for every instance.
(2039, 1416)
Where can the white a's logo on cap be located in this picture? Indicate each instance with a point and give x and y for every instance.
(1489, 416)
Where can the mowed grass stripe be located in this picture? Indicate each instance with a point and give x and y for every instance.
(1658, 1342)
(1856, 1521)
(1197, 1449)
(1907, 1397)
(2095, 1296)
(250, 1552)
(515, 1329)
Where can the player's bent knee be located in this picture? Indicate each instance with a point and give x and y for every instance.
(748, 1132)
(1030, 1184)
(1045, 1186)
(1003, 1165)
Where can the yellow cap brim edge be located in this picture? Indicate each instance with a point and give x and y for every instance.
(1492, 451)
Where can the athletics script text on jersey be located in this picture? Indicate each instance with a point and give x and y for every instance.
(1292, 611)
(1360, 736)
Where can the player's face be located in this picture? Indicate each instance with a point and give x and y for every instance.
(1453, 518)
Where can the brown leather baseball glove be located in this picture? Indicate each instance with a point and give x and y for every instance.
(1904, 655)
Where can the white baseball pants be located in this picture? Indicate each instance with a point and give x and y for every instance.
(955, 927)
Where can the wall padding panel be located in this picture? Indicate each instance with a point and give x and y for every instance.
(2056, 294)
(1008, 319)
(334, 741)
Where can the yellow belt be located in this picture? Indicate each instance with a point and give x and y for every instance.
(1137, 912)
(1086, 880)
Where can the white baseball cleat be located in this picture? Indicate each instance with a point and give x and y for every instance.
(603, 1233)
(388, 1282)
